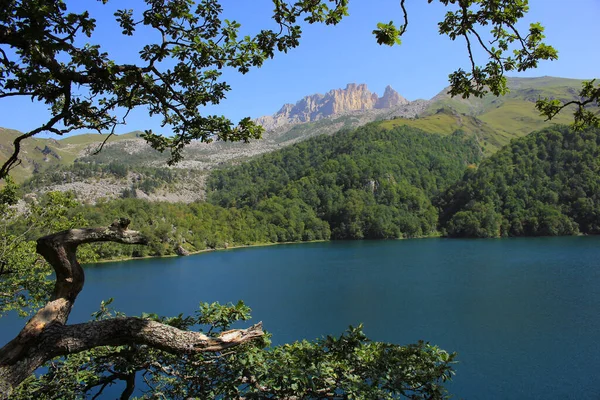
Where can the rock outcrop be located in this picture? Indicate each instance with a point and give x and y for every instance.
(335, 102)
(180, 251)
(390, 99)
(47, 151)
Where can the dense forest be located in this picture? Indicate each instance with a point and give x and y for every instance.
(544, 184)
(370, 183)
(173, 227)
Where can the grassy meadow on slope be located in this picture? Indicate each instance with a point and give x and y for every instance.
(514, 114)
(371, 182)
(446, 121)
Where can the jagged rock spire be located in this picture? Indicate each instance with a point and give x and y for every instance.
(355, 97)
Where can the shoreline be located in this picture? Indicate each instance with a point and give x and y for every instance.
(240, 247)
(192, 253)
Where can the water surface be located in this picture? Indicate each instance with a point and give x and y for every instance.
(521, 313)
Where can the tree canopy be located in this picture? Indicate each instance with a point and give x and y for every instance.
(370, 183)
(544, 184)
(42, 58)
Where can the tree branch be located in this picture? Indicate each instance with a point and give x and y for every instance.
(47, 336)
(405, 16)
(62, 340)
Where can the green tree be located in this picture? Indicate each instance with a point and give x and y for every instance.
(544, 184)
(42, 58)
(24, 283)
(349, 366)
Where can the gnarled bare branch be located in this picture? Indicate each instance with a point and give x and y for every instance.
(71, 339)
(47, 335)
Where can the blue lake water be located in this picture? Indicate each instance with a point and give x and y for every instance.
(523, 314)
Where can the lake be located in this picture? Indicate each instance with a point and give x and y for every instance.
(523, 314)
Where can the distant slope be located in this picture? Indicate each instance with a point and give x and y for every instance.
(446, 121)
(547, 183)
(370, 182)
(513, 115)
(39, 154)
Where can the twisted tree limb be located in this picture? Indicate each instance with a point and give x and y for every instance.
(47, 335)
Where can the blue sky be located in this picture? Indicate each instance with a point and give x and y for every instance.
(330, 57)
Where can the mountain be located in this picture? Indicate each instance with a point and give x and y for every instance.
(513, 115)
(39, 154)
(495, 121)
(335, 102)
(338, 109)
(492, 121)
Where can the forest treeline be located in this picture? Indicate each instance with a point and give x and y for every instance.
(170, 227)
(369, 183)
(544, 184)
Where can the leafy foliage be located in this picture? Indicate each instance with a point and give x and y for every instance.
(41, 58)
(587, 109)
(349, 366)
(193, 37)
(369, 183)
(200, 226)
(181, 72)
(24, 275)
(507, 49)
(544, 184)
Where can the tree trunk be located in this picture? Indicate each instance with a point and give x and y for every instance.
(47, 335)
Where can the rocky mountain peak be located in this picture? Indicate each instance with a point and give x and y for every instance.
(355, 97)
(390, 99)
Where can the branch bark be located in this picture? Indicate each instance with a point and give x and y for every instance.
(47, 335)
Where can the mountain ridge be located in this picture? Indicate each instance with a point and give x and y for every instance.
(494, 121)
(314, 107)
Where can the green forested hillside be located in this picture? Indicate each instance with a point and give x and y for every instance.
(368, 183)
(171, 227)
(547, 183)
(371, 183)
(378, 181)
